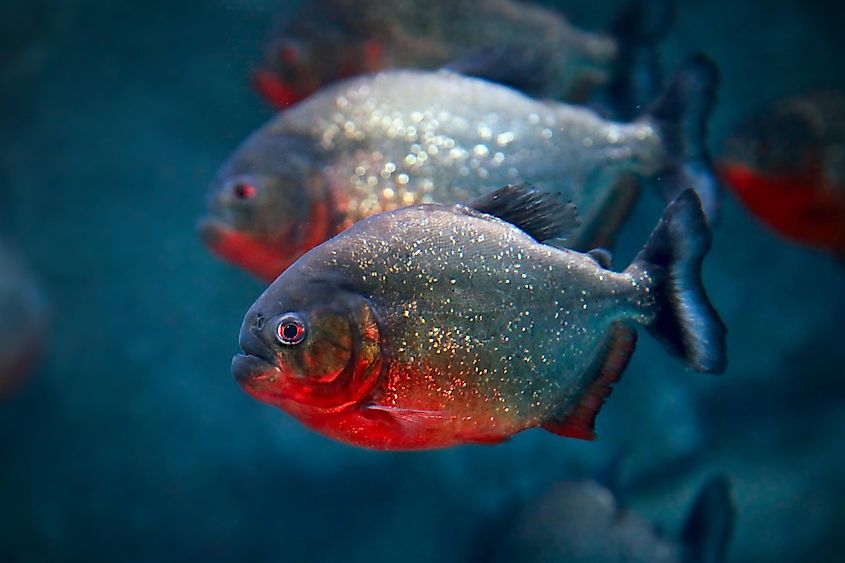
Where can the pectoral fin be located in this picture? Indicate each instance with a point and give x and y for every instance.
(413, 417)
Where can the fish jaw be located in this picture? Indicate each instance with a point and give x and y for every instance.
(256, 377)
(267, 258)
(258, 257)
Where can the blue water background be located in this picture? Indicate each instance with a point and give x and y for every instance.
(133, 443)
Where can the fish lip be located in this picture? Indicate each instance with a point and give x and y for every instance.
(248, 369)
(252, 344)
(257, 358)
(211, 231)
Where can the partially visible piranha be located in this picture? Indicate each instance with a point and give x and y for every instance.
(787, 165)
(22, 321)
(438, 325)
(582, 522)
(400, 138)
(519, 43)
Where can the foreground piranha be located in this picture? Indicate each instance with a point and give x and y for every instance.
(787, 165)
(400, 138)
(438, 325)
(22, 322)
(582, 522)
(526, 45)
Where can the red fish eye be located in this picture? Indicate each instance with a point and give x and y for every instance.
(291, 330)
(245, 191)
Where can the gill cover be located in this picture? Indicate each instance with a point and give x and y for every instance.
(340, 362)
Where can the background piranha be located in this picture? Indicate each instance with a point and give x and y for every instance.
(787, 165)
(399, 138)
(23, 321)
(518, 43)
(438, 325)
(583, 522)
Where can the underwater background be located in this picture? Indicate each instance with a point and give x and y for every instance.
(132, 441)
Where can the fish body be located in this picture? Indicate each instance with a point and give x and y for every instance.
(787, 165)
(400, 138)
(582, 521)
(335, 39)
(434, 325)
(22, 321)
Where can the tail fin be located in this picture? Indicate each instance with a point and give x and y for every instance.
(681, 114)
(685, 321)
(638, 76)
(639, 22)
(709, 526)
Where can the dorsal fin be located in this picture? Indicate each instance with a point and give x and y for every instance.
(543, 215)
(603, 257)
(579, 422)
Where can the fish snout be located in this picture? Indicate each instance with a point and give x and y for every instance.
(258, 357)
(210, 232)
(254, 338)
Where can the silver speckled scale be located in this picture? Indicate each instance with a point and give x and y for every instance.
(490, 332)
(405, 137)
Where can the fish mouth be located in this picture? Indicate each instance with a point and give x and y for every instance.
(257, 364)
(248, 251)
(212, 232)
(251, 370)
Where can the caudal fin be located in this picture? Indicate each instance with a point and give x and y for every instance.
(684, 319)
(710, 524)
(638, 75)
(681, 116)
(644, 21)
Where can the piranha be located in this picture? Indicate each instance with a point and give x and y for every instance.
(438, 325)
(582, 521)
(385, 141)
(23, 321)
(787, 165)
(519, 43)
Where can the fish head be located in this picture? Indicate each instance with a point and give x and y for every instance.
(267, 207)
(298, 62)
(310, 348)
(781, 142)
(289, 71)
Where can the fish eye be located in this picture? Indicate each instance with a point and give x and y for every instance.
(291, 330)
(244, 191)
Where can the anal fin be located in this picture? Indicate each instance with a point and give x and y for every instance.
(607, 369)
